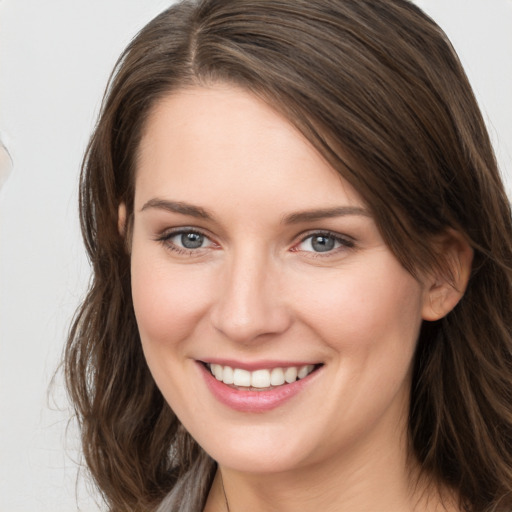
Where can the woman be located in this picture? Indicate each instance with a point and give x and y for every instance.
(301, 255)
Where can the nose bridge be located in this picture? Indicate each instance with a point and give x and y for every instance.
(248, 303)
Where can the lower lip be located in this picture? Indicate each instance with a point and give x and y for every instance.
(254, 401)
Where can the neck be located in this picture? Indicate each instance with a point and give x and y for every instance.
(387, 482)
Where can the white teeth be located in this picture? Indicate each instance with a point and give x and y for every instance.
(241, 377)
(290, 374)
(217, 370)
(260, 379)
(304, 371)
(277, 377)
(228, 375)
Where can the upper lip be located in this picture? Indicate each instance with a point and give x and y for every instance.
(257, 365)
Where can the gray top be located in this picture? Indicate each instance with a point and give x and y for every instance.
(190, 492)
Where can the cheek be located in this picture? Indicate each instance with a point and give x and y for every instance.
(168, 301)
(360, 307)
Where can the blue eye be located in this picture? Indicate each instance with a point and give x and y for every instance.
(185, 240)
(323, 242)
(189, 240)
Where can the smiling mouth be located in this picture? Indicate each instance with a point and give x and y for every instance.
(259, 380)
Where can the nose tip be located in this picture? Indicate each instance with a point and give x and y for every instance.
(250, 306)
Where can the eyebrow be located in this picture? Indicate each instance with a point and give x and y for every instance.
(178, 207)
(292, 218)
(325, 213)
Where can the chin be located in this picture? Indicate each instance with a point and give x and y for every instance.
(259, 452)
(258, 462)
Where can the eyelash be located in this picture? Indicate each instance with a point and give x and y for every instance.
(344, 242)
(165, 240)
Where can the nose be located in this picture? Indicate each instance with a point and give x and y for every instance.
(250, 304)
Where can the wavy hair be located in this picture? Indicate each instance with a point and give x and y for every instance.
(378, 90)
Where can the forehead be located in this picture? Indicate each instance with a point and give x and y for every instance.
(224, 142)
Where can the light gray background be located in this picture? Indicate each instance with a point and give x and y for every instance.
(55, 58)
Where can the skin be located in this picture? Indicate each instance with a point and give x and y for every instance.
(257, 290)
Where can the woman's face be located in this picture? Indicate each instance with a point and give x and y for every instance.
(254, 260)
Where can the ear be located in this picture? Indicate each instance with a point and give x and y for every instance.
(443, 292)
(121, 219)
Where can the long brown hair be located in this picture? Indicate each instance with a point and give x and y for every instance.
(376, 87)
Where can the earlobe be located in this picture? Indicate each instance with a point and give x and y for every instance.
(121, 219)
(443, 292)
